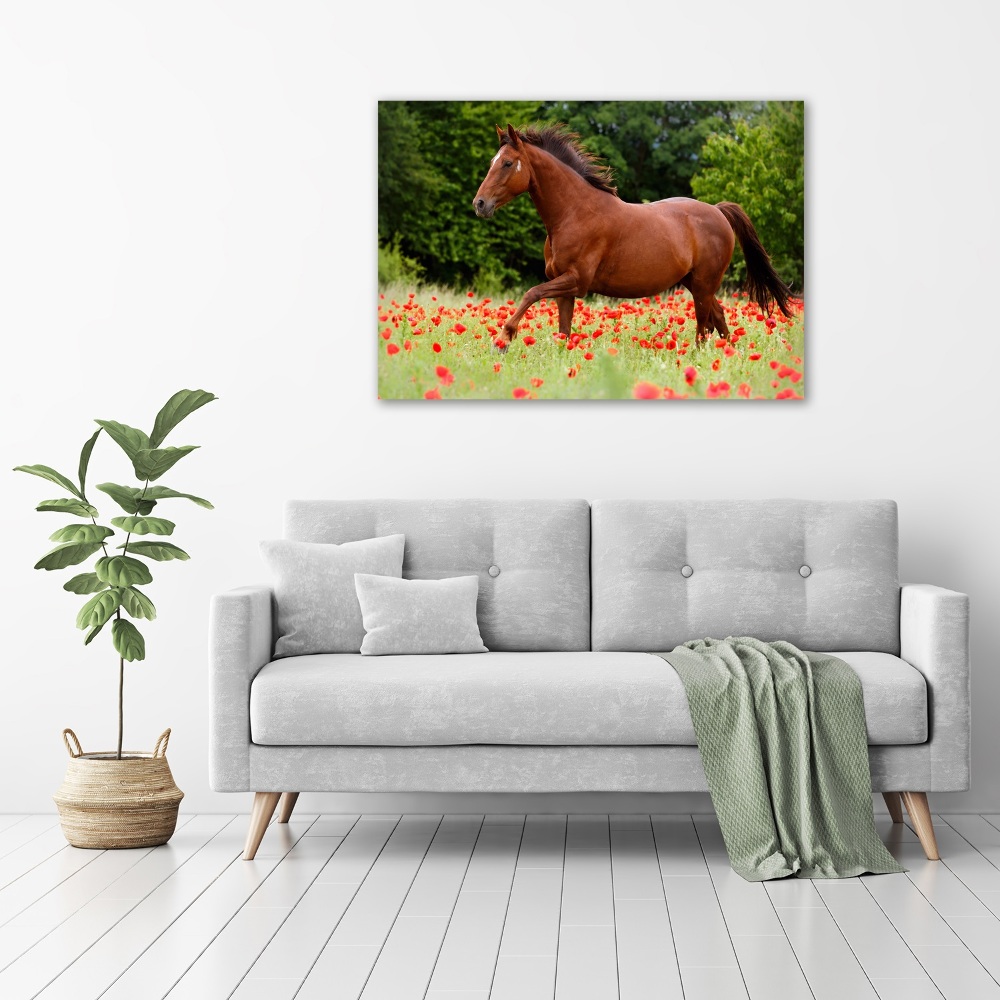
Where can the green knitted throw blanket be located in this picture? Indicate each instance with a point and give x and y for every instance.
(783, 741)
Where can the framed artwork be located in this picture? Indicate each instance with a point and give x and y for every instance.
(591, 250)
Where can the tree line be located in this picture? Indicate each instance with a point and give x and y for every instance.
(432, 156)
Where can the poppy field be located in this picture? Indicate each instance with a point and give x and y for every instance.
(435, 344)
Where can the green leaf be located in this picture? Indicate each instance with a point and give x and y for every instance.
(127, 497)
(180, 405)
(128, 641)
(122, 571)
(152, 463)
(85, 583)
(66, 505)
(99, 609)
(160, 551)
(92, 633)
(137, 604)
(131, 440)
(85, 460)
(81, 533)
(51, 475)
(67, 555)
(144, 525)
(165, 492)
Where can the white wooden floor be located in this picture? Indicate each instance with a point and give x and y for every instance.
(501, 907)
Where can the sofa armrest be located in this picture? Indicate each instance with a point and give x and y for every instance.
(241, 640)
(934, 638)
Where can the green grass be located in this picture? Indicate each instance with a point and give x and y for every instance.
(612, 331)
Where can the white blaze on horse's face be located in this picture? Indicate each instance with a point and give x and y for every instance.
(505, 180)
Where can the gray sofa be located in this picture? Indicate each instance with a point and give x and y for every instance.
(573, 596)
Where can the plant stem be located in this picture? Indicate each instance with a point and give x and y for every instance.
(121, 703)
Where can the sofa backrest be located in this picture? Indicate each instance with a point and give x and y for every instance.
(532, 557)
(822, 575)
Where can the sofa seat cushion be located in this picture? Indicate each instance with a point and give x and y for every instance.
(528, 699)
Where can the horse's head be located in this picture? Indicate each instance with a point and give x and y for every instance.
(508, 176)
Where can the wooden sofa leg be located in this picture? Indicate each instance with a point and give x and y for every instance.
(287, 804)
(893, 804)
(260, 816)
(920, 815)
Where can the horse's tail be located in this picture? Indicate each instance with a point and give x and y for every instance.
(762, 282)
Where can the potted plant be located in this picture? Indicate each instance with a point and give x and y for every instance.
(119, 799)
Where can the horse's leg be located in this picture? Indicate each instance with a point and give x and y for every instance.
(566, 304)
(566, 285)
(719, 319)
(707, 308)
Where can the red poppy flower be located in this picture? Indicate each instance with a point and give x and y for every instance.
(715, 364)
(744, 390)
(386, 334)
(588, 356)
(571, 373)
(391, 349)
(536, 382)
(690, 374)
(437, 348)
(528, 341)
(774, 364)
(497, 367)
(720, 342)
(520, 393)
(755, 357)
(460, 328)
(444, 374)
(612, 350)
(646, 390)
(787, 394)
(432, 394)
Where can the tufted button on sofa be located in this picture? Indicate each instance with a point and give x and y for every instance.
(574, 597)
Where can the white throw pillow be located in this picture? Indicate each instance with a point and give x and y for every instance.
(419, 616)
(318, 610)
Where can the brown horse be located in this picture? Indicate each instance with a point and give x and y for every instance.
(598, 243)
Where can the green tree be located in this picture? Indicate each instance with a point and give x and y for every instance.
(445, 148)
(652, 146)
(760, 167)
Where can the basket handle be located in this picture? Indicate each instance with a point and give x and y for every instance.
(67, 735)
(160, 750)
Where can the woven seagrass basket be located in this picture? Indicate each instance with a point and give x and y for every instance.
(109, 803)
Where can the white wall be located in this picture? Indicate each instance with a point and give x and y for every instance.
(187, 198)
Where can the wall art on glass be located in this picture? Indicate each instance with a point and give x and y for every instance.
(533, 250)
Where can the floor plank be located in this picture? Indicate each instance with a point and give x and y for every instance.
(766, 958)
(18, 862)
(346, 961)
(224, 963)
(501, 907)
(404, 967)
(823, 954)
(876, 944)
(179, 945)
(20, 833)
(646, 965)
(153, 894)
(587, 961)
(293, 950)
(43, 878)
(468, 956)
(8, 820)
(979, 832)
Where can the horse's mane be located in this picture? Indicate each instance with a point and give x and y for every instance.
(565, 146)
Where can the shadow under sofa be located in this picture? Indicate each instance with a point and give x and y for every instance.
(574, 597)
